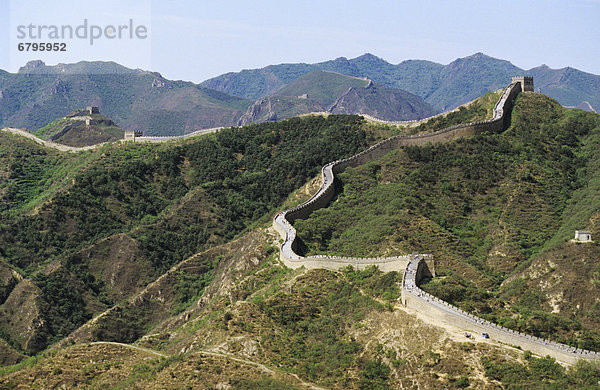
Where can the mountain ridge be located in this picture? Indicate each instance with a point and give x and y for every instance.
(133, 98)
(327, 91)
(146, 101)
(440, 85)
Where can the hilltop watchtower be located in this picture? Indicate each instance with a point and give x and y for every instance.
(526, 83)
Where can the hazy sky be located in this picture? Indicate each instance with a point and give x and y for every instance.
(195, 39)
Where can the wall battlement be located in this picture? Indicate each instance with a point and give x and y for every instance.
(415, 298)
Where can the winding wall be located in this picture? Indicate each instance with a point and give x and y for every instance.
(50, 144)
(66, 148)
(284, 220)
(414, 266)
(175, 137)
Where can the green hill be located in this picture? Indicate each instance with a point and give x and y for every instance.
(324, 91)
(273, 108)
(89, 229)
(73, 130)
(169, 247)
(322, 87)
(384, 103)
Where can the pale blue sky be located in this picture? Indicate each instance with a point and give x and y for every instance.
(196, 39)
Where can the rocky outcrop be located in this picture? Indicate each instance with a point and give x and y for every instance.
(32, 65)
(382, 102)
(274, 108)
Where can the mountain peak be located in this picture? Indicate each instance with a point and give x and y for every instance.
(476, 56)
(341, 59)
(31, 65)
(369, 57)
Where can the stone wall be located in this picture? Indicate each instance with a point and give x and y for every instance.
(175, 137)
(50, 144)
(417, 299)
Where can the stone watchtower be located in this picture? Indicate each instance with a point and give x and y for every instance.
(583, 236)
(92, 110)
(526, 83)
(131, 135)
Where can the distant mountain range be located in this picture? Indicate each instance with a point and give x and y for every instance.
(443, 86)
(141, 100)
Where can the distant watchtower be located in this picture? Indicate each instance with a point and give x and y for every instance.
(131, 135)
(583, 236)
(92, 110)
(526, 83)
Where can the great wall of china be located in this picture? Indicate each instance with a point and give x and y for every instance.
(415, 266)
(412, 266)
(66, 148)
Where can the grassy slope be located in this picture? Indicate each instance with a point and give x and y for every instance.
(248, 306)
(104, 130)
(33, 173)
(484, 206)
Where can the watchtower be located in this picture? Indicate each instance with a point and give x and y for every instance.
(526, 83)
(92, 110)
(583, 236)
(131, 135)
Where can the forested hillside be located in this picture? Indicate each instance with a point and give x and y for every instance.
(65, 216)
(496, 210)
(169, 246)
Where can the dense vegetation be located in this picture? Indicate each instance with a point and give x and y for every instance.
(328, 328)
(172, 200)
(468, 202)
(480, 110)
(541, 373)
(485, 206)
(311, 340)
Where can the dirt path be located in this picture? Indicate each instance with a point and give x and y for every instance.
(260, 366)
(142, 349)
